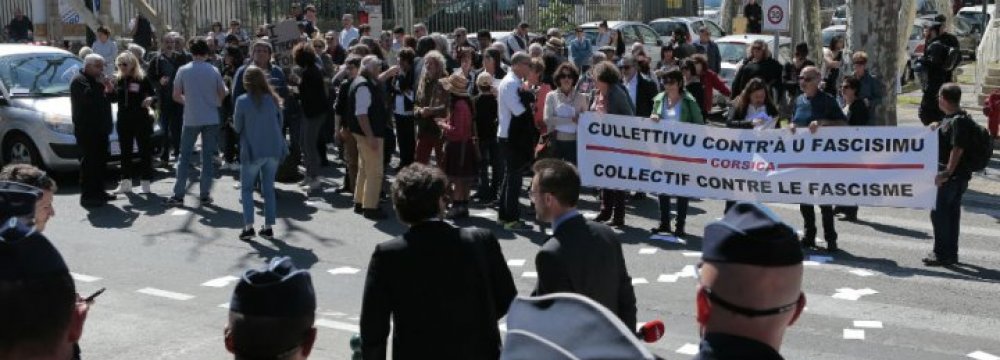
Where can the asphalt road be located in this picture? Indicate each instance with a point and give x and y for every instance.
(169, 273)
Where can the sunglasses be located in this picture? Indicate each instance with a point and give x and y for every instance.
(745, 311)
(122, 64)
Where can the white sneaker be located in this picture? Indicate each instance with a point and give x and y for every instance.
(124, 187)
(145, 187)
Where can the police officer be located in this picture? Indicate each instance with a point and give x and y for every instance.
(750, 285)
(91, 110)
(42, 314)
(271, 313)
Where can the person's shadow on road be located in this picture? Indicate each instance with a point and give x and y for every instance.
(302, 257)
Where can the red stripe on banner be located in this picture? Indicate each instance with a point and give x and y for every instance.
(851, 166)
(648, 154)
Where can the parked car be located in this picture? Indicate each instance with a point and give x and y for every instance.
(839, 16)
(968, 38)
(632, 32)
(733, 50)
(976, 16)
(35, 115)
(474, 15)
(665, 27)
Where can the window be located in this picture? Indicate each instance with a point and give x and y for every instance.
(649, 36)
(39, 74)
(628, 34)
(714, 29)
(665, 28)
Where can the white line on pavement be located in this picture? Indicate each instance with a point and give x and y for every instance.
(647, 251)
(637, 281)
(862, 272)
(854, 334)
(337, 325)
(667, 278)
(224, 306)
(691, 253)
(221, 282)
(529, 274)
(979, 355)
(179, 212)
(688, 349)
(344, 270)
(84, 278)
(165, 294)
(868, 324)
(515, 262)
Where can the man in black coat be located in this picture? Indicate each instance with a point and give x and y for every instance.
(92, 124)
(444, 288)
(582, 256)
(641, 90)
(754, 14)
(162, 71)
(937, 66)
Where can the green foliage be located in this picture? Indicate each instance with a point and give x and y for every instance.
(557, 15)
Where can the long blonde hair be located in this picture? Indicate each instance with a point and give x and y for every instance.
(135, 72)
(428, 79)
(256, 84)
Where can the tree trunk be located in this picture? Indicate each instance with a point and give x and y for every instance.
(796, 23)
(729, 10)
(813, 30)
(885, 43)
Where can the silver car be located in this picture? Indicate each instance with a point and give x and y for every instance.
(35, 114)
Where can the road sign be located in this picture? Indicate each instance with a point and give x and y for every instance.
(776, 13)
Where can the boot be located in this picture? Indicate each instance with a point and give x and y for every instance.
(124, 187)
(145, 187)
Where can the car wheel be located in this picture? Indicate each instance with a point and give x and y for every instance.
(19, 149)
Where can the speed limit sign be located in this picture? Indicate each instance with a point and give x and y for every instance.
(776, 13)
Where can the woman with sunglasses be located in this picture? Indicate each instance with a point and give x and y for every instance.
(562, 112)
(134, 95)
(674, 104)
(760, 64)
(857, 114)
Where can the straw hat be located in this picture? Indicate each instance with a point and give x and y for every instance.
(456, 84)
(556, 43)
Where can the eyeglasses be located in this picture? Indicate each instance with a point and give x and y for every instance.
(806, 78)
(748, 312)
(122, 64)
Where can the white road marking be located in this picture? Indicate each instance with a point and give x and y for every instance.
(688, 349)
(515, 262)
(221, 282)
(979, 355)
(811, 263)
(820, 259)
(637, 281)
(333, 313)
(344, 270)
(224, 306)
(179, 212)
(868, 324)
(691, 253)
(687, 271)
(647, 251)
(354, 318)
(862, 272)
(503, 327)
(529, 274)
(668, 238)
(337, 325)
(667, 278)
(483, 213)
(853, 294)
(165, 294)
(83, 278)
(854, 334)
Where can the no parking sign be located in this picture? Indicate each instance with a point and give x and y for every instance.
(776, 13)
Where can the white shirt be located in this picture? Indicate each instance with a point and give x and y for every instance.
(632, 86)
(362, 100)
(348, 35)
(109, 51)
(508, 103)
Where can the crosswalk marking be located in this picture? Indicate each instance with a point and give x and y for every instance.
(84, 278)
(980, 355)
(337, 325)
(515, 262)
(862, 272)
(344, 270)
(221, 282)
(165, 294)
(868, 324)
(854, 334)
(853, 294)
(529, 274)
(637, 281)
(688, 349)
(647, 251)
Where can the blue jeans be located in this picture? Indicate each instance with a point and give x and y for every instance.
(209, 136)
(264, 170)
(946, 218)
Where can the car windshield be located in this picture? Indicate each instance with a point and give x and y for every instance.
(38, 74)
(731, 52)
(666, 28)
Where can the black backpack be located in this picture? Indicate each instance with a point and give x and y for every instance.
(977, 156)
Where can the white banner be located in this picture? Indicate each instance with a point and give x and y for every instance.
(866, 166)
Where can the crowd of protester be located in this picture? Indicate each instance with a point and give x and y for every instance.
(468, 120)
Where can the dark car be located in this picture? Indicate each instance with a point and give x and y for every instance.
(473, 15)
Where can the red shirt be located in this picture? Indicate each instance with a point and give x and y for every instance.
(709, 81)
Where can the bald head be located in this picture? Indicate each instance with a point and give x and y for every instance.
(809, 80)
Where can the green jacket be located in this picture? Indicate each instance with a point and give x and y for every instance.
(690, 110)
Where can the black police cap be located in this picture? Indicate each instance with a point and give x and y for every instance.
(751, 234)
(281, 290)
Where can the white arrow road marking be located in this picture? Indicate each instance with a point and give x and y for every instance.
(221, 282)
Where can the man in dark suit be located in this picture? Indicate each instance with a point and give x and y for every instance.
(582, 256)
(91, 110)
(641, 90)
(436, 282)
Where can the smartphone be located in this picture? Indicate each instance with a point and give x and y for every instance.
(90, 299)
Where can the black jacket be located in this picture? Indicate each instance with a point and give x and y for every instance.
(645, 91)
(487, 121)
(769, 70)
(585, 257)
(719, 346)
(443, 291)
(161, 66)
(754, 14)
(312, 92)
(91, 108)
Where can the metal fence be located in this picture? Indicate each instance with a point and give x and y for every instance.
(7, 11)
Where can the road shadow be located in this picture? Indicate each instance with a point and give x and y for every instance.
(891, 268)
(111, 216)
(263, 254)
(890, 229)
(978, 202)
